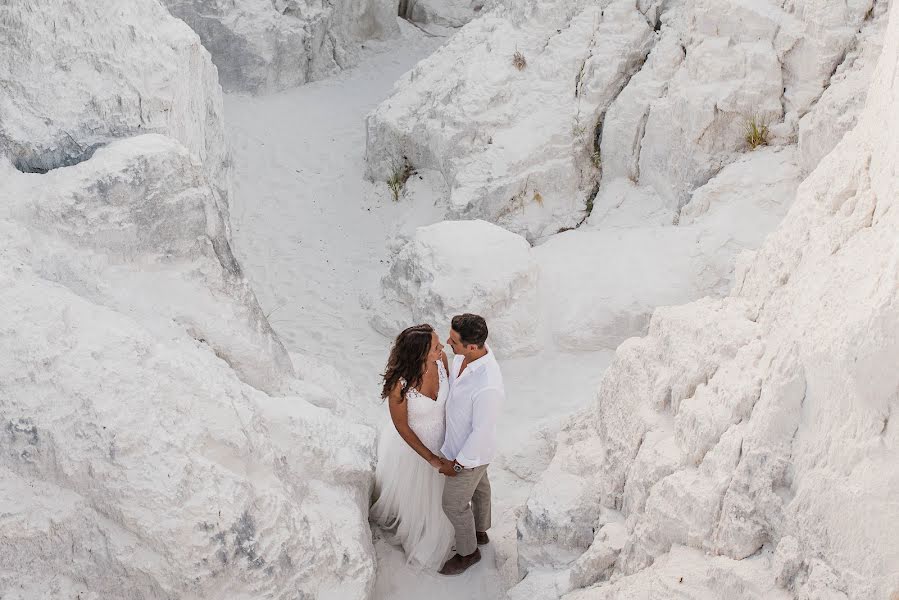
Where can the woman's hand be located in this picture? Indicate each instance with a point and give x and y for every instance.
(435, 461)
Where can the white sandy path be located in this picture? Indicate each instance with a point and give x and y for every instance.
(308, 229)
(311, 232)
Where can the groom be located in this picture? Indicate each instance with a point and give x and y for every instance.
(475, 396)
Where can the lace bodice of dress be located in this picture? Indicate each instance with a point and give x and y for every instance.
(427, 417)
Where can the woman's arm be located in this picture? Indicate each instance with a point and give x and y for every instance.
(399, 413)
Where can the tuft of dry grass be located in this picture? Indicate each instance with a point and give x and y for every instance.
(401, 172)
(518, 61)
(755, 133)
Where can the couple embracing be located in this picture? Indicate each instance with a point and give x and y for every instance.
(431, 485)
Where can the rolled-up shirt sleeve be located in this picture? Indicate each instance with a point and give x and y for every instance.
(481, 443)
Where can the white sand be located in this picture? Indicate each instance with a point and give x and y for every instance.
(311, 234)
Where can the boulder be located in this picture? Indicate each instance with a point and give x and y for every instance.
(77, 75)
(141, 457)
(454, 267)
(508, 108)
(446, 13)
(136, 228)
(268, 45)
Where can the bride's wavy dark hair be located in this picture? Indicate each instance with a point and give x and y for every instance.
(407, 359)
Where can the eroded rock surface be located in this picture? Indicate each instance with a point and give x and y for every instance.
(154, 440)
(746, 427)
(77, 75)
(531, 107)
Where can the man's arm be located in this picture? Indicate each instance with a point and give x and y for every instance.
(484, 414)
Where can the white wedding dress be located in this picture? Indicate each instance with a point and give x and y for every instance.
(408, 491)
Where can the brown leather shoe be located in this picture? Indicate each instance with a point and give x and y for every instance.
(458, 564)
(482, 537)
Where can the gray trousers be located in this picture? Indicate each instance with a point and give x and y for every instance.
(466, 502)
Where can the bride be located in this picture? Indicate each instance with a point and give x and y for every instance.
(408, 479)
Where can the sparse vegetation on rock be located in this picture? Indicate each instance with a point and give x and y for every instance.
(400, 173)
(756, 133)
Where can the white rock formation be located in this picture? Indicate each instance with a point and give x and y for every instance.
(759, 428)
(526, 148)
(135, 228)
(138, 466)
(837, 111)
(513, 144)
(155, 443)
(137, 463)
(687, 573)
(73, 79)
(716, 66)
(454, 267)
(267, 45)
(601, 282)
(446, 13)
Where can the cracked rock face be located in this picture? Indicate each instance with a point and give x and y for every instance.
(660, 93)
(716, 67)
(75, 76)
(453, 267)
(748, 444)
(267, 45)
(513, 143)
(838, 108)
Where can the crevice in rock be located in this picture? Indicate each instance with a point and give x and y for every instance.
(598, 128)
(31, 161)
(308, 51)
(703, 181)
(333, 44)
(839, 63)
(580, 75)
(423, 30)
(755, 401)
(850, 53)
(556, 34)
(641, 133)
(226, 257)
(619, 493)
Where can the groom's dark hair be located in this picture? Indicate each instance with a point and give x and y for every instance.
(472, 329)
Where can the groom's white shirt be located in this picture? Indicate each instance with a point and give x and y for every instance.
(472, 408)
